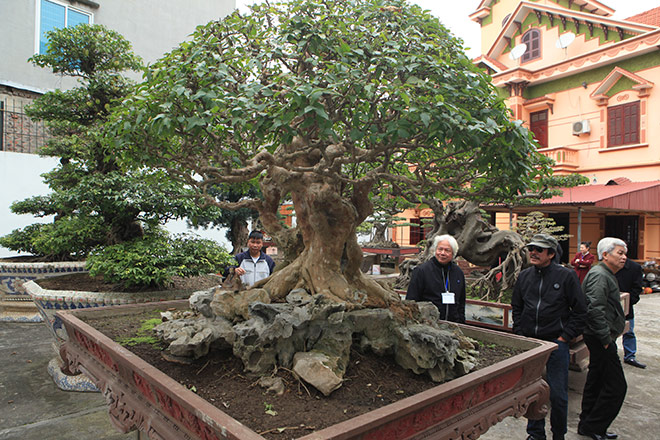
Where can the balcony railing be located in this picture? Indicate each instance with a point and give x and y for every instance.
(564, 157)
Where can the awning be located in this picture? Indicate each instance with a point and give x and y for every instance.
(618, 194)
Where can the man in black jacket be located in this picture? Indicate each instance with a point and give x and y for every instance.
(441, 281)
(548, 303)
(630, 280)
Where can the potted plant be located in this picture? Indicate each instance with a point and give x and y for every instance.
(140, 396)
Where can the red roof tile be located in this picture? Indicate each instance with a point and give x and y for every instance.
(618, 194)
(651, 17)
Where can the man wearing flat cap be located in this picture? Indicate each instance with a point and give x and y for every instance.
(548, 304)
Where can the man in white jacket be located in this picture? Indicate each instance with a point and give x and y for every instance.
(254, 265)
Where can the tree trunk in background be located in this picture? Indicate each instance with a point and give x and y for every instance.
(238, 235)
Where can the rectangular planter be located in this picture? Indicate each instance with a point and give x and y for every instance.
(141, 397)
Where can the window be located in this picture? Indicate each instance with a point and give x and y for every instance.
(421, 229)
(623, 124)
(532, 39)
(539, 126)
(54, 15)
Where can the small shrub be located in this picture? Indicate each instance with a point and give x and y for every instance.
(155, 259)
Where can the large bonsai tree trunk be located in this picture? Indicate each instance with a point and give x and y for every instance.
(331, 258)
(321, 254)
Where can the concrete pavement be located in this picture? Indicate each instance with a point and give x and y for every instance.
(32, 407)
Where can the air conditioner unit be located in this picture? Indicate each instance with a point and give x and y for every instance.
(581, 127)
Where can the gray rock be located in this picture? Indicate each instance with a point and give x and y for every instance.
(200, 302)
(317, 369)
(234, 305)
(314, 335)
(376, 329)
(298, 297)
(272, 384)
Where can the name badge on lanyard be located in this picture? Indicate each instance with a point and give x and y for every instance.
(448, 298)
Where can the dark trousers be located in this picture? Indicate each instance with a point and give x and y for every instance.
(556, 374)
(604, 389)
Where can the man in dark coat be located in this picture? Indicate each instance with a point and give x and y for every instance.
(630, 280)
(547, 303)
(605, 387)
(441, 281)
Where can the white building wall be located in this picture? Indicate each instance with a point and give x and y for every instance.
(153, 27)
(20, 178)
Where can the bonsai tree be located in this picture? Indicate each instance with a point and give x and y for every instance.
(536, 222)
(94, 200)
(235, 221)
(322, 101)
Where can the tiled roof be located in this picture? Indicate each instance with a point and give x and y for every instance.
(652, 17)
(618, 194)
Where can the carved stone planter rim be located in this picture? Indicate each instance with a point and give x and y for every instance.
(109, 298)
(524, 371)
(15, 303)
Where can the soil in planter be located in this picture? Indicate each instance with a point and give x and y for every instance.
(370, 382)
(88, 283)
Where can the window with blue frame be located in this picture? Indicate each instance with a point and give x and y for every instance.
(56, 15)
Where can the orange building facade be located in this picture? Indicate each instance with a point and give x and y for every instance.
(587, 85)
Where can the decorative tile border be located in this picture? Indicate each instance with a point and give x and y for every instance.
(15, 303)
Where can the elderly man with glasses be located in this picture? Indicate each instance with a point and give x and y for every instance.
(605, 388)
(548, 304)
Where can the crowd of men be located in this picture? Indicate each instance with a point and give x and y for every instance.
(555, 303)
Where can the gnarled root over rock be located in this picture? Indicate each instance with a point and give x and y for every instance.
(313, 335)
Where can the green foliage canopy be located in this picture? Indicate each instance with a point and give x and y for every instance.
(356, 93)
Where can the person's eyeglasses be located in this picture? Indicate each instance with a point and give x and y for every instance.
(536, 248)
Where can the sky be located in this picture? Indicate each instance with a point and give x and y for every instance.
(454, 15)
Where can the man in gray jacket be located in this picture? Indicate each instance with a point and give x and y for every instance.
(606, 385)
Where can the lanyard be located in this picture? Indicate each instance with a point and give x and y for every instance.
(446, 280)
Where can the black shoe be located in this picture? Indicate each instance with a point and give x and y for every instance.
(634, 363)
(531, 437)
(608, 435)
(593, 436)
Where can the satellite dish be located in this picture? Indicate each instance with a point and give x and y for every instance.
(565, 40)
(518, 51)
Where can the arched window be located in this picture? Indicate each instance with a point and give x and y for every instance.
(532, 39)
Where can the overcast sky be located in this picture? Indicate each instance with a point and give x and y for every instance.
(454, 14)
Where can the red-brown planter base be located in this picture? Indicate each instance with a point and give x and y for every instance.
(141, 397)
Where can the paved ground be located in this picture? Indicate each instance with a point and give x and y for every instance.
(32, 407)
